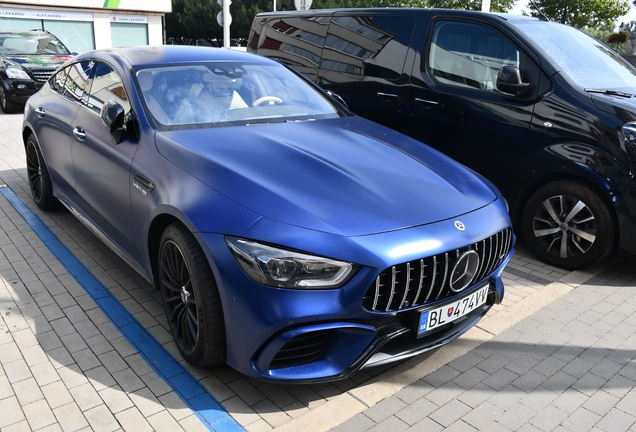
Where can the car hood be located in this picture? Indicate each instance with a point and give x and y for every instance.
(37, 61)
(622, 107)
(344, 176)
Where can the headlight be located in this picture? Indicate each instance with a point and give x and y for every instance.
(15, 73)
(283, 268)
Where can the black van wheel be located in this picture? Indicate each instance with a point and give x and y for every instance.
(191, 298)
(7, 105)
(569, 225)
(38, 174)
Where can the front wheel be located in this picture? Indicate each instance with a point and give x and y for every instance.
(569, 225)
(191, 298)
(39, 178)
(7, 105)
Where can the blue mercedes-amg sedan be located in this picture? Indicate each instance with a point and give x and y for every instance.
(290, 238)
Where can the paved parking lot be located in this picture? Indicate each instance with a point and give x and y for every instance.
(84, 346)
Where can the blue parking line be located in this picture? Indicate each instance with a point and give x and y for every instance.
(192, 393)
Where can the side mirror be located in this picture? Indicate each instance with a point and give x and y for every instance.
(112, 115)
(509, 81)
(338, 98)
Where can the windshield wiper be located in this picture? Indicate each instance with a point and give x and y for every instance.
(610, 92)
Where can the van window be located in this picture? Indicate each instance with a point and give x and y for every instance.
(588, 62)
(469, 55)
(373, 46)
(294, 41)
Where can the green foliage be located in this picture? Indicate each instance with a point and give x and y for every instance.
(193, 19)
(196, 19)
(495, 5)
(581, 13)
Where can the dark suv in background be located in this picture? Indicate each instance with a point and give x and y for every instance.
(544, 111)
(27, 60)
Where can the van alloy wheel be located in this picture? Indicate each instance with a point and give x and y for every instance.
(569, 225)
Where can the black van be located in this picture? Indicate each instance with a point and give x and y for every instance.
(544, 111)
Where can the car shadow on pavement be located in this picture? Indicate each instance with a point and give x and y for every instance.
(83, 346)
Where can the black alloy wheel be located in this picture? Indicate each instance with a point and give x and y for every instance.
(38, 175)
(569, 225)
(191, 298)
(7, 105)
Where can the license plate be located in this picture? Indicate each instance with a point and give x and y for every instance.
(450, 312)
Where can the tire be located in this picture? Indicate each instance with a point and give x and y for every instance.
(7, 105)
(39, 178)
(191, 298)
(569, 225)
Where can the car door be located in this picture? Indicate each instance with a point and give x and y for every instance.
(55, 111)
(363, 61)
(455, 106)
(102, 168)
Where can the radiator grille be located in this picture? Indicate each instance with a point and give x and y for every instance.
(42, 75)
(415, 283)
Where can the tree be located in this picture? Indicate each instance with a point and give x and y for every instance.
(193, 19)
(495, 5)
(581, 13)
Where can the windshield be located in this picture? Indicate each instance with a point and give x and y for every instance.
(227, 93)
(588, 62)
(29, 44)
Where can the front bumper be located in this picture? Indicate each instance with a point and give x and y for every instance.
(337, 350)
(296, 335)
(19, 90)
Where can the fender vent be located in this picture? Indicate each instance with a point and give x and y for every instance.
(302, 349)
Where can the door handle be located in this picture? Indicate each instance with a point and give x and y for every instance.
(40, 112)
(425, 102)
(79, 133)
(387, 96)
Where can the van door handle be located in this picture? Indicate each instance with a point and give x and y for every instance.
(425, 102)
(387, 96)
(41, 112)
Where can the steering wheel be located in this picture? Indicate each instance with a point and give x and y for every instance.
(271, 99)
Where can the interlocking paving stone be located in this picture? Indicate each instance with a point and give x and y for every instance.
(569, 363)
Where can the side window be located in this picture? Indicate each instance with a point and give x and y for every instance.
(294, 41)
(469, 55)
(79, 75)
(58, 80)
(373, 46)
(107, 84)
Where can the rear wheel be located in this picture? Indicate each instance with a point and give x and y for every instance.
(7, 105)
(569, 225)
(191, 298)
(39, 179)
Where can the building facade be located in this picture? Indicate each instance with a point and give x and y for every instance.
(84, 25)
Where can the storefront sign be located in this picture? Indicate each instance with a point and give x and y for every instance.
(45, 14)
(132, 5)
(139, 19)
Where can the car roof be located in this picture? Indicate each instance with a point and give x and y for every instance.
(146, 55)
